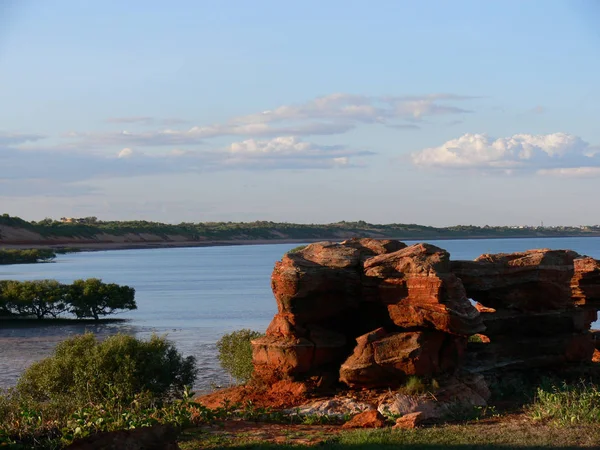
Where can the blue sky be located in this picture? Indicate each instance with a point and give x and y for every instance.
(432, 112)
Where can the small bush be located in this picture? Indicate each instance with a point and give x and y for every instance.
(82, 369)
(414, 385)
(297, 249)
(568, 404)
(235, 353)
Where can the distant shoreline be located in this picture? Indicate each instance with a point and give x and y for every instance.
(106, 246)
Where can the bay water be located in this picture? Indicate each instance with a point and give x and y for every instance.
(194, 295)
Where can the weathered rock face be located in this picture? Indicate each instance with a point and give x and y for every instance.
(535, 280)
(536, 307)
(324, 279)
(329, 294)
(585, 284)
(373, 312)
(381, 358)
(419, 290)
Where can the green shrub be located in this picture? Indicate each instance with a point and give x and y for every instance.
(567, 404)
(297, 249)
(235, 353)
(84, 369)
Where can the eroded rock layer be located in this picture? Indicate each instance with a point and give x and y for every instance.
(537, 306)
(370, 312)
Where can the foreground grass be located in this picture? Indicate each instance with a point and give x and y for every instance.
(503, 433)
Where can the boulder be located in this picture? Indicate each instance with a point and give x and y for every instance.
(386, 359)
(371, 312)
(337, 407)
(323, 279)
(419, 290)
(367, 419)
(409, 421)
(277, 358)
(535, 280)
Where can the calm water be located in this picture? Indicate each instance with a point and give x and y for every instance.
(195, 295)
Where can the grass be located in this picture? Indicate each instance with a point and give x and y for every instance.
(567, 404)
(503, 434)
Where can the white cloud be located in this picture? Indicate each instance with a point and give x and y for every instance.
(328, 115)
(518, 152)
(18, 138)
(359, 109)
(284, 145)
(288, 152)
(65, 171)
(125, 153)
(580, 172)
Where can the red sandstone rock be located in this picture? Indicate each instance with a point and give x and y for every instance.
(419, 290)
(535, 280)
(545, 323)
(524, 352)
(483, 309)
(382, 359)
(324, 279)
(280, 357)
(367, 419)
(372, 247)
(586, 281)
(318, 282)
(409, 421)
(537, 307)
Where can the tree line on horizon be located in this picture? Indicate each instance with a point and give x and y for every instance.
(89, 298)
(90, 227)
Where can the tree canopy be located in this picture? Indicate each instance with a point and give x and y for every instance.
(89, 298)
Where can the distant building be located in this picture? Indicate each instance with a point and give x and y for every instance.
(73, 220)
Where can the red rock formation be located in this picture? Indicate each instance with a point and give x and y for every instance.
(419, 290)
(535, 280)
(534, 319)
(372, 312)
(586, 281)
(386, 359)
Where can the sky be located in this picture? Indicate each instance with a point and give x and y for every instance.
(431, 112)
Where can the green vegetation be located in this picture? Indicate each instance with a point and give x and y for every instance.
(82, 368)
(89, 298)
(235, 353)
(89, 386)
(567, 404)
(27, 256)
(297, 249)
(92, 227)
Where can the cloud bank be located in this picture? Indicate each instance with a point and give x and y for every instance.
(327, 115)
(43, 171)
(550, 154)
